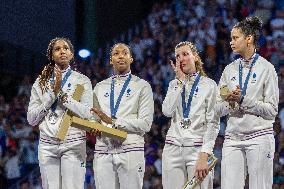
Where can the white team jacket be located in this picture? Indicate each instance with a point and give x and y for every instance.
(204, 126)
(134, 115)
(260, 105)
(39, 106)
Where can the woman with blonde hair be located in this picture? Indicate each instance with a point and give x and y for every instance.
(189, 102)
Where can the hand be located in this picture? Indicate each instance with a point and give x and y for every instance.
(96, 132)
(102, 115)
(179, 73)
(235, 95)
(201, 167)
(58, 76)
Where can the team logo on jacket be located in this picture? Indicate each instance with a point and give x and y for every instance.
(128, 92)
(233, 78)
(253, 78)
(196, 91)
(106, 94)
(69, 87)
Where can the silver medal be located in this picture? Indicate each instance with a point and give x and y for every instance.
(52, 118)
(185, 123)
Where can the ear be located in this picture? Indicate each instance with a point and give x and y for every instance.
(131, 60)
(110, 61)
(249, 39)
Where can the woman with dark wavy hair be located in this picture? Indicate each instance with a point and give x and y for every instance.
(62, 163)
(251, 106)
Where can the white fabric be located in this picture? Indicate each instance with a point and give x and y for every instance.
(204, 126)
(178, 165)
(260, 104)
(62, 164)
(257, 153)
(121, 165)
(249, 134)
(39, 103)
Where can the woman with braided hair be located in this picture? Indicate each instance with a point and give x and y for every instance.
(62, 163)
(251, 106)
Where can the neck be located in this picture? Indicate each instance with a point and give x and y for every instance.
(247, 54)
(116, 72)
(63, 67)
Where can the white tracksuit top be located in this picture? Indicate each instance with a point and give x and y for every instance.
(38, 114)
(260, 105)
(204, 126)
(134, 115)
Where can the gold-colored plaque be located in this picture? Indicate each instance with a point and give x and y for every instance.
(67, 116)
(106, 131)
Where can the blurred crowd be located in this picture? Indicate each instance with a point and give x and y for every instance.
(207, 24)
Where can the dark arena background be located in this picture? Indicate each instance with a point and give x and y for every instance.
(152, 29)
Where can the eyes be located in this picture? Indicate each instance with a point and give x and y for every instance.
(183, 54)
(58, 48)
(116, 53)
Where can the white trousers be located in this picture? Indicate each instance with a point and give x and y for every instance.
(178, 166)
(254, 156)
(119, 171)
(62, 165)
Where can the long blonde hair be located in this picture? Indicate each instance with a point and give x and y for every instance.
(198, 62)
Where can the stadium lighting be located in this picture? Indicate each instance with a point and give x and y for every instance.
(84, 53)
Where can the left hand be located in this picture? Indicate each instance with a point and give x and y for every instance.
(201, 167)
(235, 95)
(105, 118)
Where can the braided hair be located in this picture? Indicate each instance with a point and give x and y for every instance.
(198, 62)
(250, 26)
(48, 69)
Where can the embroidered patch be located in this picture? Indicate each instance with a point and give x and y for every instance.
(106, 94)
(128, 92)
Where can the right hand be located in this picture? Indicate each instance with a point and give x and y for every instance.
(58, 76)
(102, 115)
(179, 73)
(96, 132)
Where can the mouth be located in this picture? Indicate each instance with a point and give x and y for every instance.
(63, 58)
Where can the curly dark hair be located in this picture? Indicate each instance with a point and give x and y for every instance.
(48, 69)
(250, 26)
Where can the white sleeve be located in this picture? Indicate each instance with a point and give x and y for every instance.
(38, 108)
(268, 107)
(212, 122)
(83, 107)
(145, 114)
(171, 100)
(222, 107)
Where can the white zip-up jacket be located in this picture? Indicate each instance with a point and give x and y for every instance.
(204, 126)
(40, 103)
(260, 104)
(134, 115)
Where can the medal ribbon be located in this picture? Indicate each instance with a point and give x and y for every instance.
(244, 88)
(53, 106)
(186, 107)
(114, 108)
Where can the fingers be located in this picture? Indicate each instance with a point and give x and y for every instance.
(105, 118)
(173, 65)
(201, 174)
(96, 132)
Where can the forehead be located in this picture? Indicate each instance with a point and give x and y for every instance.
(120, 47)
(60, 43)
(184, 48)
(236, 32)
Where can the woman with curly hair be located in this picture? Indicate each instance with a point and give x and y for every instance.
(62, 163)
